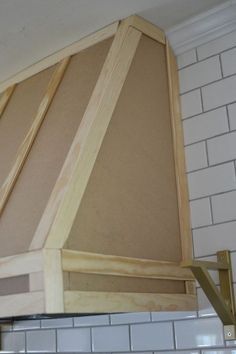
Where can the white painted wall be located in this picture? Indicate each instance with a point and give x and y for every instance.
(208, 86)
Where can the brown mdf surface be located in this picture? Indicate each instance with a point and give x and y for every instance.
(14, 285)
(91, 282)
(130, 204)
(18, 116)
(29, 197)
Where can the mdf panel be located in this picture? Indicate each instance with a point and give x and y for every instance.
(18, 116)
(129, 207)
(42, 167)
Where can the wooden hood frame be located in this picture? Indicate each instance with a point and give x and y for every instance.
(46, 260)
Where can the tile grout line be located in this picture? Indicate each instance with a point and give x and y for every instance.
(208, 110)
(208, 84)
(206, 58)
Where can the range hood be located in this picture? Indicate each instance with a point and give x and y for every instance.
(93, 203)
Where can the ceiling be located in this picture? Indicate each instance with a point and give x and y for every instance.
(33, 29)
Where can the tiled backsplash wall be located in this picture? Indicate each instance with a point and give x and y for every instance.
(208, 95)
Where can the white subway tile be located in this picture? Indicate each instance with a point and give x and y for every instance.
(205, 308)
(219, 93)
(110, 339)
(123, 318)
(13, 342)
(224, 207)
(205, 125)
(216, 46)
(181, 352)
(153, 336)
(209, 240)
(219, 351)
(41, 341)
(199, 74)
(187, 58)
(196, 156)
(211, 180)
(28, 324)
(57, 322)
(229, 62)
(200, 333)
(191, 103)
(173, 315)
(222, 148)
(232, 116)
(200, 212)
(74, 340)
(99, 320)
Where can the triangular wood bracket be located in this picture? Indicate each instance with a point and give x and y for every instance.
(222, 300)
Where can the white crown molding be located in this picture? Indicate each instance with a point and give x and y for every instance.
(203, 28)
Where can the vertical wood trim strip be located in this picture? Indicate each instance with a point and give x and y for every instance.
(66, 196)
(180, 166)
(5, 98)
(53, 281)
(27, 143)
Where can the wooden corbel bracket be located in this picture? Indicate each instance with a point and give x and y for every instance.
(222, 300)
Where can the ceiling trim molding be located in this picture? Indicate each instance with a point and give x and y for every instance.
(203, 28)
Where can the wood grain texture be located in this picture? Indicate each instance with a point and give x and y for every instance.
(5, 97)
(180, 165)
(66, 196)
(102, 302)
(54, 58)
(20, 264)
(53, 281)
(148, 29)
(26, 145)
(92, 263)
(22, 304)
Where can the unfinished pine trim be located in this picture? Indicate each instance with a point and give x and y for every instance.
(180, 165)
(148, 29)
(179, 156)
(100, 302)
(53, 281)
(22, 304)
(66, 196)
(36, 281)
(21, 264)
(5, 98)
(26, 145)
(93, 263)
(54, 58)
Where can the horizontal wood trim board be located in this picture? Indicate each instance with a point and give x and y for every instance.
(100, 302)
(53, 59)
(148, 29)
(25, 263)
(93, 263)
(26, 145)
(5, 98)
(22, 304)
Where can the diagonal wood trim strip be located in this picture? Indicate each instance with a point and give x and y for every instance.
(5, 98)
(148, 29)
(27, 143)
(54, 58)
(56, 222)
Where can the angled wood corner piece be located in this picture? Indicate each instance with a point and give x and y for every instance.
(50, 253)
